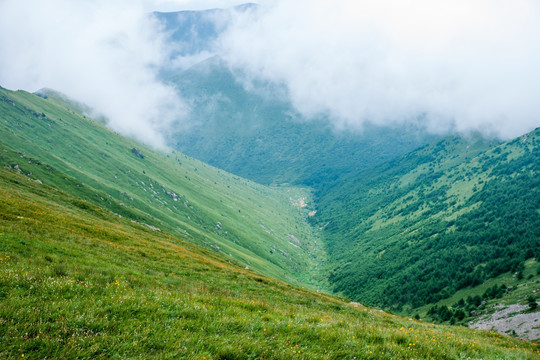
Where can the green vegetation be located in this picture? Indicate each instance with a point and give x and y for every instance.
(76, 281)
(467, 307)
(52, 141)
(109, 249)
(486, 298)
(258, 134)
(401, 231)
(531, 301)
(446, 217)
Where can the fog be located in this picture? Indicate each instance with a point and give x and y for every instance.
(106, 54)
(449, 65)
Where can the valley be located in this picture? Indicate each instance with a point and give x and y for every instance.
(408, 218)
(258, 134)
(82, 276)
(268, 181)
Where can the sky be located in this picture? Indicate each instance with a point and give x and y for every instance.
(176, 5)
(450, 65)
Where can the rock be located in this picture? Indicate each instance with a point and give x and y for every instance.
(137, 153)
(510, 319)
(152, 227)
(294, 238)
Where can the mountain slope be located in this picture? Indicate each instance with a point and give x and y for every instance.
(76, 281)
(193, 32)
(440, 219)
(257, 133)
(171, 192)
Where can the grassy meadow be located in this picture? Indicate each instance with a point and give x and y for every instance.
(50, 139)
(77, 281)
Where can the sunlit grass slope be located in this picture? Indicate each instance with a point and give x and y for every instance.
(76, 281)
(51, 140)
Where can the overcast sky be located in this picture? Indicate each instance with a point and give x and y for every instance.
(457, 64)
(176, 5)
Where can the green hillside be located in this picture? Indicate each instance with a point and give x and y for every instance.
(51, 140)
(258, 134)
(109, 249)
(446, 217)
(78, 281)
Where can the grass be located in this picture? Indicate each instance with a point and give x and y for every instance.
(86, 273)
(53, 141)
(82, 283)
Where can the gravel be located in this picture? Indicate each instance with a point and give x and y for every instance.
(512, 318)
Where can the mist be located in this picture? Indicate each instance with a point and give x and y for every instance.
(106, 54)
(447, 65)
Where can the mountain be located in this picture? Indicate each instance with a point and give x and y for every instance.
(192, 36)
(85, 273)
(258, 135)
(408, 219)
(193, 32)
(446, 217)
(117, 250)
(256, 226)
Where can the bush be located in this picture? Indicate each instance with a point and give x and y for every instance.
(533, 305)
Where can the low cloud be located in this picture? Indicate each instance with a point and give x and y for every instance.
(106, 54)
(452, 65)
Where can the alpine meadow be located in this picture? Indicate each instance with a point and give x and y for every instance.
(273, 180)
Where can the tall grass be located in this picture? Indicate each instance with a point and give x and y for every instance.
(78, 283)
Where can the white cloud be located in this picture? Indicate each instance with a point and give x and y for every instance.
(177, 5)
(466, 65)
(103, 53)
